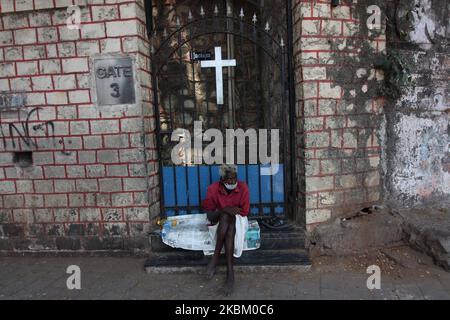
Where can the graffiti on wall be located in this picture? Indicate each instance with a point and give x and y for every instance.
(25, 132)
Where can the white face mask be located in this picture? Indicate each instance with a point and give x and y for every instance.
(230, 186)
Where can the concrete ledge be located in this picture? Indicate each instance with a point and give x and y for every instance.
(428, 230)
(74, 246)
(222, 269)
(253, 261)
(378, 228)
(70, 253)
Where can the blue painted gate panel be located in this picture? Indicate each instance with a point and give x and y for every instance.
(182, 186)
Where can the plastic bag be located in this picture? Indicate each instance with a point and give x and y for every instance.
(191, 232)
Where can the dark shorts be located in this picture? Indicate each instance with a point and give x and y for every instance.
(213, 217)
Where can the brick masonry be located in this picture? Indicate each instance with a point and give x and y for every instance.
(94, 180)
(93, 184)
(338, 149)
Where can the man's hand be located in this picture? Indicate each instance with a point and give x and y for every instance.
(232, 211)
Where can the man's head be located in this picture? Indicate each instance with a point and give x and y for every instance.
(228, 176)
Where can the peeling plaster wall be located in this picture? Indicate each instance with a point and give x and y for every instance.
(416, 156)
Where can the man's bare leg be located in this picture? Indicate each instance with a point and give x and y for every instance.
(229, 251)
(221, 234)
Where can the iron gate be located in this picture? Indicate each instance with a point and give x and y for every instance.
(256, 93)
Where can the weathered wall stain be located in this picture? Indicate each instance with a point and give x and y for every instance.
(418, 174)
(422, 22)
(416, 155)
(412, 125)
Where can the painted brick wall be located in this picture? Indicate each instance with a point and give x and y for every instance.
(93, 183)
(94, 180)
(338, 111)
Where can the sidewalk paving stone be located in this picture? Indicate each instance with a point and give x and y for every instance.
(125, 278)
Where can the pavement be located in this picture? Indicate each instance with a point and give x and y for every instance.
(125, 278)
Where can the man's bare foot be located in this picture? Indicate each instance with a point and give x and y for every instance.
(211, 269)
(229, 285)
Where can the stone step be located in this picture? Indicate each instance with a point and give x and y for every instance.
(428, 231)
(282, 239)
(257, 260)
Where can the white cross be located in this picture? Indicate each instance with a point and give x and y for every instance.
(218, 63)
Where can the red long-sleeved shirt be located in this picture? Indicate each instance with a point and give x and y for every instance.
(218, 198)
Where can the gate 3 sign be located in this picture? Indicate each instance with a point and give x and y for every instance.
(114, 81)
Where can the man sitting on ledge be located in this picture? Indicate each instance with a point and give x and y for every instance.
(228, 204)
